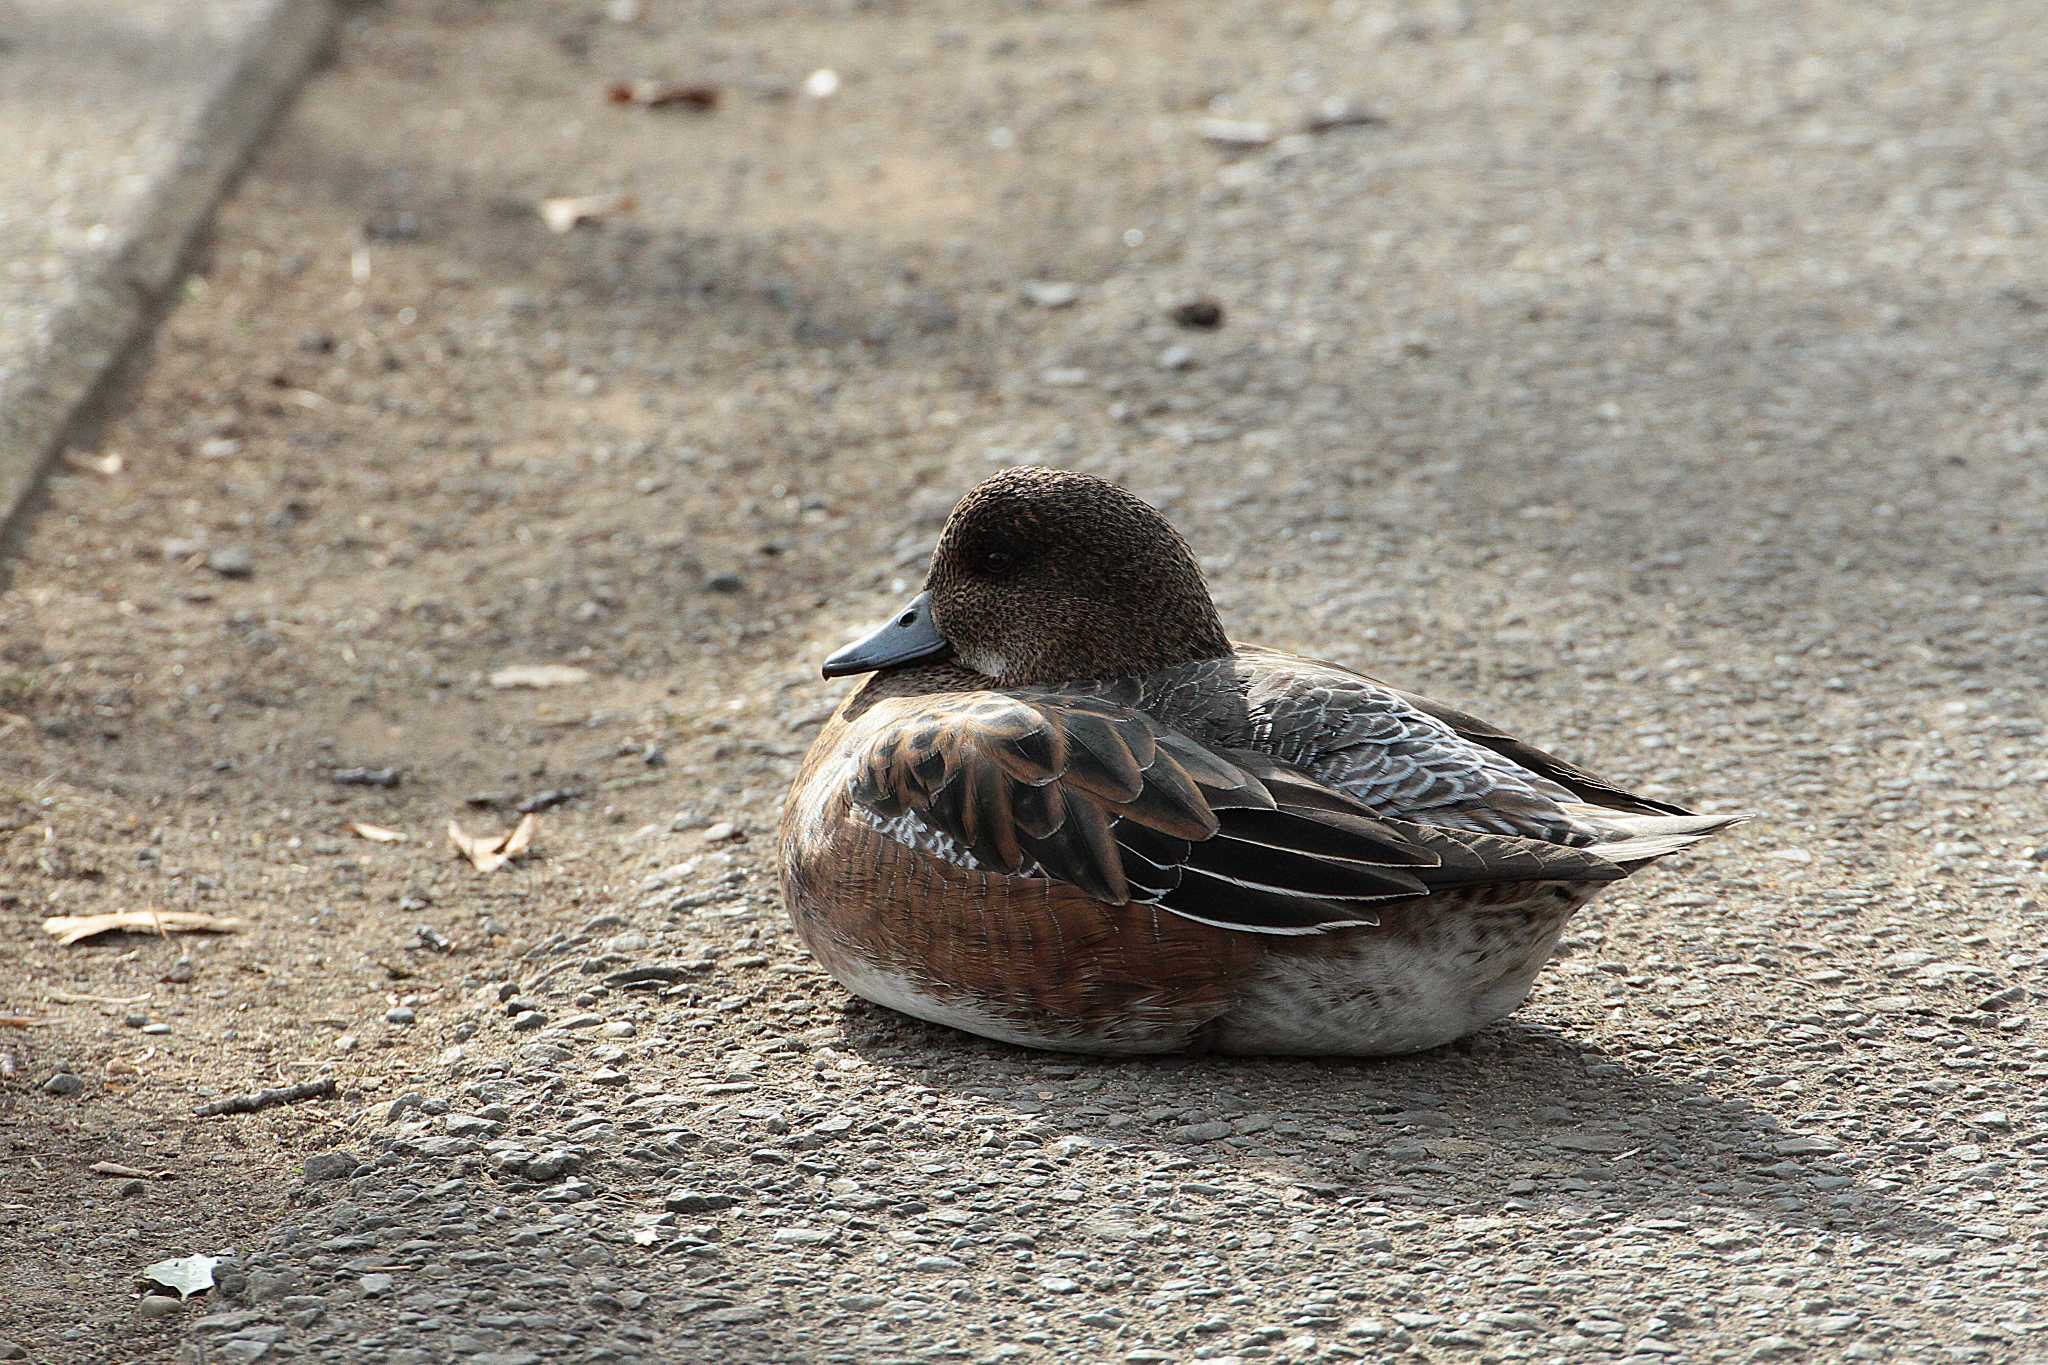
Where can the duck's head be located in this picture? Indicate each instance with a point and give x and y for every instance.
(1045, 576)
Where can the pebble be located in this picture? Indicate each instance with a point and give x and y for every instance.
(366, 777)
(1201, 314)
(620, 1028)
(150, 1306)
(725, 583)
(696, 1201)
(402, 1014)
(1177, 358)
(375, 1286)
(63, 1083)
(232, 561)
(335, 1165)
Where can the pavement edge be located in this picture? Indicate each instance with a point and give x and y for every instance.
(118, 294)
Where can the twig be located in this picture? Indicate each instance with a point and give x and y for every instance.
(16, 1021)
(265, 1099)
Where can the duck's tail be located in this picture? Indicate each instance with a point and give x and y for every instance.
(1632, 840)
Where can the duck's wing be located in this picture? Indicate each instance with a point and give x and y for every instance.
(1084, 790)
(1588, 787)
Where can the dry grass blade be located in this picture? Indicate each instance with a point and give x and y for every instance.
(488, 854)
(376, 834)
(69, 929)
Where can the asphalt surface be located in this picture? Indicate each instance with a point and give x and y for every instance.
(1665, 384)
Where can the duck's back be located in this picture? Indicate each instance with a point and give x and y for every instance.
(1381, 747)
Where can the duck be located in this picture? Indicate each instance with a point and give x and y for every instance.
(1063, 809)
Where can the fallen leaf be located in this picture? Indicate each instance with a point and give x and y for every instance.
(376, 834)
(665, 95)
(488, 855)
(132, 1173)
(540, 675)
(107, 465)
(521, 835)
(69, 929)
(564, 213)
(188, 1275)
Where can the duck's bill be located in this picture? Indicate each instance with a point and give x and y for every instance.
(909, 636)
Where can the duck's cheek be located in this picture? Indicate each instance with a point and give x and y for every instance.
(990, 663)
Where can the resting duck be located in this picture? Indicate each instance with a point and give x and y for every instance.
(1066, 811)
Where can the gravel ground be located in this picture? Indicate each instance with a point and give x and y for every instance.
(1671, 392)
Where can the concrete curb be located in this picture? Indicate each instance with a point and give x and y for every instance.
(109, 296)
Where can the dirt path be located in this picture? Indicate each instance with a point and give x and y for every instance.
(1673, 394)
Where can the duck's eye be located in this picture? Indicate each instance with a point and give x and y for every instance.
(996, 561)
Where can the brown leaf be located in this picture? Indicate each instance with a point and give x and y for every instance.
(564, 213)
(376, 834)
(665, 95)
(487, 854)
(69, 929)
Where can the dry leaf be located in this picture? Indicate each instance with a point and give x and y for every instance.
(69, 929)
(564, 213)
(488, 855)
(665, 95)
(540, 675)
(188, 1275)
(107, 465)
(376, 834)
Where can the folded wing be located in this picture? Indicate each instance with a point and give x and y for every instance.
(1085, 791)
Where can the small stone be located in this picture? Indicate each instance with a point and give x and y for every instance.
(153, 1306)
(232, 561)
(553, 1164)
(156, 1030)
(402, 1014)
(2004, 1000)
(1050, 293)
(375, 1286)
(1177, 358)
(336, 1165)
(1064, 377)
(727, 583)
(724, 831)
(620, 1028)
(529, 1021)
(696, 1201)
(183, 549)
(63, 1083)
(1200, 1132)
(366, 777)
(1058, 1284)
(1203, 314)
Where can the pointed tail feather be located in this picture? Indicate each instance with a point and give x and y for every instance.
(1633, 840)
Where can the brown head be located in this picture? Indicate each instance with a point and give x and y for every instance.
(1046, 576)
